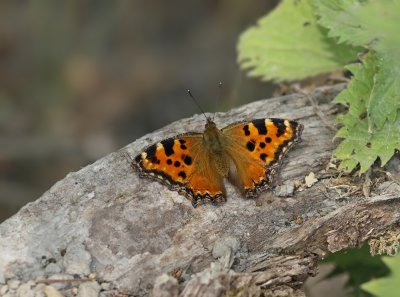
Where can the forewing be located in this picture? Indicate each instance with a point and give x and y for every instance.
(182, 164)
(256, 148)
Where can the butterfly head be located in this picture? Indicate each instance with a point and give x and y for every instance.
(210, 125)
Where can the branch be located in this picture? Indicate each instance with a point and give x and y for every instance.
(138, 237)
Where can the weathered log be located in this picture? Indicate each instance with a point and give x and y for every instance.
(143, 238)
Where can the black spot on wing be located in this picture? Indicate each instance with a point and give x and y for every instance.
(187, 160)
(280, 126)
(260, 125)
(262, 145)
(246, 130)
(251, 146)
(268, 139)
(169, 161)
(153, 159)
(182, 174)
(177, 164)
(151, 151)
(263, 157)
(168, 145)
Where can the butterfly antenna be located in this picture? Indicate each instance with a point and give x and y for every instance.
(219, 96)
(197, 103)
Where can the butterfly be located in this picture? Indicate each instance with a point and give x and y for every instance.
(247, 153)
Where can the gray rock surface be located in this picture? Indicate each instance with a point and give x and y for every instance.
(25, 290)
(285, 190)
(105, 219)
(52, 268)
(165, 286)
(50, 291)
(76, 259)
(13, 284)
(3, 290)
(89, 289)
(39, 290)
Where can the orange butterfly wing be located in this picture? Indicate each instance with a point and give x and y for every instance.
(182, 164)
(256, 147)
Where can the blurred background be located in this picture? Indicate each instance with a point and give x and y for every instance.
(80, 79)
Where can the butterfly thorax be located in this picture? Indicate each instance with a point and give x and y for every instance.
(215, 143)
(212, 138)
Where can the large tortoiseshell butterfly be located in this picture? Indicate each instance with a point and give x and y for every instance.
(195, 164)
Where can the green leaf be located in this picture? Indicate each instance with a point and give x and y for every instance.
(369, 103)
(359, 265)
(288, 44)
(331, 11)
(385, 96)
(373, 24)
(387, 286)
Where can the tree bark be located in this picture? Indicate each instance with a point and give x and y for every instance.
(146, 239)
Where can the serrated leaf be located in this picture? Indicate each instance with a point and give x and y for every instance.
(385, 96)
(374, 23)
(336, 15)
(361, 144)
(288, 44)
(387, 286)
